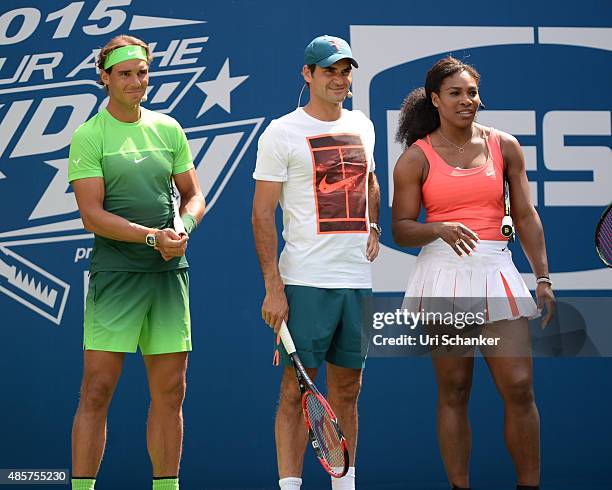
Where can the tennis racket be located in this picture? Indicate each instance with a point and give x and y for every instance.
(177, 222)
(325, 435)
(507, 227)
(603, 237)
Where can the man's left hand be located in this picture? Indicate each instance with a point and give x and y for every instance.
(373, 246)
(170, 244)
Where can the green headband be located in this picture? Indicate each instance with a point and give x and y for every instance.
(125, 53)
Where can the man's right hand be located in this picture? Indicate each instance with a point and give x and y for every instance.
(275, 308)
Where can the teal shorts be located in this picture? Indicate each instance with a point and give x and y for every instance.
(326, 325)
(127, 310)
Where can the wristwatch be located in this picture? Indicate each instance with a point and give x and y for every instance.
(151, 240)
(376, 227)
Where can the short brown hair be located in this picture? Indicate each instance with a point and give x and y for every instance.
(119, 42)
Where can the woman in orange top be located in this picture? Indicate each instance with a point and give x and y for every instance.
(455, 169)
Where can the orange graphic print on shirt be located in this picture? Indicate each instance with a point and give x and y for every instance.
(340, 175)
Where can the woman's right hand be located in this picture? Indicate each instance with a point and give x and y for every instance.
(460, 238)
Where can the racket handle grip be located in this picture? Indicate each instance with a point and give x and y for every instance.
(178, 226)
(507, 227)
(286, 338)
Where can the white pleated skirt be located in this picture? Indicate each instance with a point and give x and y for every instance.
(485, 281)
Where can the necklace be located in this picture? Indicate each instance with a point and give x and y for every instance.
(461, 148)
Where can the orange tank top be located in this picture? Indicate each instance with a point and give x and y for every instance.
(472, 196)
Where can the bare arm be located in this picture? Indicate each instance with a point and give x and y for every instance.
(89, 194)
(526, 219)
(524, 215)
(373, 246)
(373, 198)
(274, 308)
(408, 177)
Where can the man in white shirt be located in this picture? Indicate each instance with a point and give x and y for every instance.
(318, 162)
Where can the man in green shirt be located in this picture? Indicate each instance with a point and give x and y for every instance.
(121, 166)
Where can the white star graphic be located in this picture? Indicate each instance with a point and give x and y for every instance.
(218, 91)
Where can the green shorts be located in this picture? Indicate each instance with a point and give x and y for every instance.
(125, 310)
(326, 324)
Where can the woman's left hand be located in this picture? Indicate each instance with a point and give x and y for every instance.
(546, 298)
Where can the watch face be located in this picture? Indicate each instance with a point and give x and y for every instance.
(376, 228)
(151, 240)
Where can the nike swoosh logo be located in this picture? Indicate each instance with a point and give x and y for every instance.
(138, 160)
(489, 173)
(133, 52)
(326, 188)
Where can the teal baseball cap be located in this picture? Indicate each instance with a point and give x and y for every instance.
(326, 50)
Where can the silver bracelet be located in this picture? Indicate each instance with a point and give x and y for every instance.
(544, 279)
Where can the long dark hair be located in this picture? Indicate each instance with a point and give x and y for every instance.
(418, 116)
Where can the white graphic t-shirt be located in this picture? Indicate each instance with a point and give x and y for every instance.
(324, 167)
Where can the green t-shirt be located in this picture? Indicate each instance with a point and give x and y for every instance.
(137, 161)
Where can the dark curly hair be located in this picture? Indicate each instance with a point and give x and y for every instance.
(418, 116)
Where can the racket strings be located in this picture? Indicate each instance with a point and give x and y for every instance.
(604, 238)
(324, 431)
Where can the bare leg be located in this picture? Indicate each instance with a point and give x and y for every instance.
(344, 385)
(454, 376)
(513, 377)
(167, 385)
(290, 431)
(101, 371)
